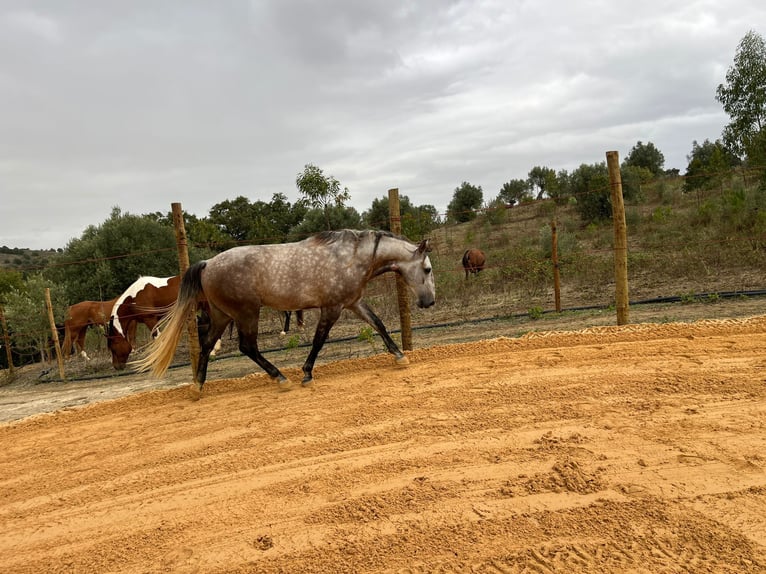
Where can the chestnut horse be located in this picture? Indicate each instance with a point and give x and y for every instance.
(473, 261)
(328, 271)
(79, 317)
(146, 301)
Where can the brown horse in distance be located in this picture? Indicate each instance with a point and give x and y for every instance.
(79, 317)
(474, 261)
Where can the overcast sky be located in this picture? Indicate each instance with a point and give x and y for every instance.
(144, 103)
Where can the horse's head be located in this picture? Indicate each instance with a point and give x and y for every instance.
(118, 345)
(418, 274)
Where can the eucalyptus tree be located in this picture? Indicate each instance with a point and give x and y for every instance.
(743, 97)
(320, 191)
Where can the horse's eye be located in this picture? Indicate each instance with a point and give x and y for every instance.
(427, 270)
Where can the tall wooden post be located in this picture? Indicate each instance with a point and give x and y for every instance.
(7, 345)
(55, 333)
(555, 261)
(402, 293)
(620, 238)
(183, 265)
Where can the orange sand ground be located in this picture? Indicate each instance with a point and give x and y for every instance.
(639, 448)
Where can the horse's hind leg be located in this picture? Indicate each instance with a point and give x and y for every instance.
(210, 326)
(327, 319)
(248, 344)
(364, 312)
(286, 328)
(80, 342)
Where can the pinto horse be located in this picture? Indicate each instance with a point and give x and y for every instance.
(146, 301)
(328, 271)
(79, 317)
(473, 261)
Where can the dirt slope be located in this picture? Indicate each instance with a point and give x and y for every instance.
(612, 449)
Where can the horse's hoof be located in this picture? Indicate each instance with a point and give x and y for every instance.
(284, 385)
(307, 382)
(195, 392)
(402, 361)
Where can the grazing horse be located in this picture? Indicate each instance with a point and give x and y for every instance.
(328, 271)
(473, 261)
(298, 315)
(146, 301)
(79, 317)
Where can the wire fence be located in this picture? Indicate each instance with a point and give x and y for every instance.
(681, 245)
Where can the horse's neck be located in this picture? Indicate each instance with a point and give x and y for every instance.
(390, 249)
(105, 308)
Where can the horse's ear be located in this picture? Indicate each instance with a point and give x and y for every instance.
(424, 246)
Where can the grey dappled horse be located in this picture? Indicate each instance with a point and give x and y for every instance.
(328, 271)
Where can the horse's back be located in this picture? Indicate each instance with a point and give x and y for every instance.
(311, 273)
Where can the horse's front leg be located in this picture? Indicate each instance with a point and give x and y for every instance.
(327, 318)
(130, 332)
(364, 312)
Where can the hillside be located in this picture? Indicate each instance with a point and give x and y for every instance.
(19, 258)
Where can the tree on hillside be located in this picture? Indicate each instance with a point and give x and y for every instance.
(257, 222)
(284, 216)
(27, 315)
(560, 190)
(10, 281)
(710, 164)
(416, 221)
(107, 258)
(234, 217)
(541, 179)
(320, 191)
(466, 200)
(646, 156)
(590, 185)
(330, 217)
(744, 99)
(633, 178)
(200, 231)
(514, 191)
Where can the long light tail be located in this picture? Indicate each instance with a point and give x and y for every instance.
(163, 348)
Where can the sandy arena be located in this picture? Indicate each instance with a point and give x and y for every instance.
(613, 449)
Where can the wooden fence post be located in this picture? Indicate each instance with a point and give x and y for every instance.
(7, 345)
(183, 265)
(401, 287)
(620, 238)
(55, 333)
(555, 261)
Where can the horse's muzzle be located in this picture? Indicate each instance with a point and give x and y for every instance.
(424, 303)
